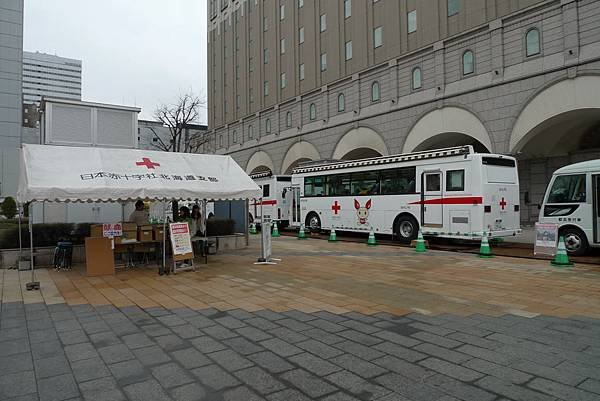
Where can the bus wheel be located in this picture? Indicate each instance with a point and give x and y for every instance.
(407, 229)
(313, 222)
(575, 241)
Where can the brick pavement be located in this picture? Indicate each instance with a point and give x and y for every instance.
(331, 322)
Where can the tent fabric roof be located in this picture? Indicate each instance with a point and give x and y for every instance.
(92, 174)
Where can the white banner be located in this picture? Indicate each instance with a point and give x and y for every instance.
(546, 239)
(180, 238)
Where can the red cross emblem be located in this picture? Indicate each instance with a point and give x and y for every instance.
(148, 163)
(502, 203)
(336, 207)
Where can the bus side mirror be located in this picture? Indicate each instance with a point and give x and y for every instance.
(539, 206)
(284, 192)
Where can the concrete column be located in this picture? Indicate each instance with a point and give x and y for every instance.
(497, 45)
(570, 25)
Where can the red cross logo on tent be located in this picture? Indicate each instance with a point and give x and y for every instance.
(148, 163)
(502, 203)
(336, 207)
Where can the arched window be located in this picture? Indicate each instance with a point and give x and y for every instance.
(235, 136)
(416, 78)
(375, 95)
(250, 132)
(268, 126)
(341, 102)
(532, 40)
(288, 119)
(312, 111)
(468, 62)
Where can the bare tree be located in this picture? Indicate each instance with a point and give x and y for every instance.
(179, 119)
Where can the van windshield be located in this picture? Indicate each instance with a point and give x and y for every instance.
(568, 189)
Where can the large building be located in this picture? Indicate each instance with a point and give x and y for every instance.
(11, 56)
(51, 76)
(298, 80)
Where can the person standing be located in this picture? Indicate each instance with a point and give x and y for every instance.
(139, 216)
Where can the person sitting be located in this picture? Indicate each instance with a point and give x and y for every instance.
(139, 216)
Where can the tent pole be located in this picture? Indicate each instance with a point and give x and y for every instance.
(32, 285)
(164, 252)
(19, 208)
(247, 222)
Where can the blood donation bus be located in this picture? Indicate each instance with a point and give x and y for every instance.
(572, 201)
(451, 192)
(276, 199)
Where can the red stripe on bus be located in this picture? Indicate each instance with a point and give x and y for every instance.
(464, 200)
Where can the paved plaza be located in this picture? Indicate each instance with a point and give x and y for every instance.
(338, 321)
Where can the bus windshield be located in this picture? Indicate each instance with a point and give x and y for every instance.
(568, 189)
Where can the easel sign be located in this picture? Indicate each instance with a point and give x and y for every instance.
(181, 242)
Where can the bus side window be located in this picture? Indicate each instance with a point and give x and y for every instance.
(455, 180)
(568, 188)
(319, 186)
(308, 186)
(266, 191)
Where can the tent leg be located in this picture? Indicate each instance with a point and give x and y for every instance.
(19, 210)
(162, 269)
(247, 222)
(32, 285)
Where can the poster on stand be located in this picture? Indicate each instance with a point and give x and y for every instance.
(180, 238)
(546, 239)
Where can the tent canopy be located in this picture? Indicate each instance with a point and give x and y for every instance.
(91, 174)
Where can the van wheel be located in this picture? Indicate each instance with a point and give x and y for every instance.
(313, 222)
(575, 241)
(407, 229)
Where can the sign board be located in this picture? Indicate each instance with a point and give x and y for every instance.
(266, 236)
(180, 238)
(546, 239)
(112, 230)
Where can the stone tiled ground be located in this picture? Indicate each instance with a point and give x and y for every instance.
(62, 352)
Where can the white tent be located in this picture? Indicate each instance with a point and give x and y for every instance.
(92, 174)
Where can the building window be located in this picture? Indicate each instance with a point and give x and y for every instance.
(282, 45)
(237, 43)
(283, 80)
(324, 62)
(412, 21)
(251, 95)
(378, 37)
(250, 64)
(468, 62)
(288, 119)
(266, 56)
(300, 3)
(341, 102)
(312, 112)
(349, 50)
(266, 88)
(237, 102)
(347, 8)
(453, 7)
(235, 136)
(282, 11)
(301, 35)
(237, 72)
(268, 125)
(323, 23)
(220, 141)
(416, 78)
(375, 92)
(250, 132)
(225, 106)
(265, 24)
(301, 71)
(533, 42)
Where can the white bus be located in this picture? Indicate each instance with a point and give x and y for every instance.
(276, 199)
(572, 201)
(450, 192)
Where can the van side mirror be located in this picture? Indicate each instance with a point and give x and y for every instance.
(539, 206)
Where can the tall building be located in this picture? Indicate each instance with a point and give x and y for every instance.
(11, 56)
(298, 80)
(51, 76)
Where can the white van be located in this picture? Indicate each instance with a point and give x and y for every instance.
(572, 201)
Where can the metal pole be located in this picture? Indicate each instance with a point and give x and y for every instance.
(33, 285)
(164, 261)
(262, 233)
(247, 222)
(19, 209)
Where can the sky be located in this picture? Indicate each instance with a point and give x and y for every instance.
(135, 52)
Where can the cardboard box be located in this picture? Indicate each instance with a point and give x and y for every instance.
(129, 226)
(96, 230)
(144, 234)
(158, 233)
(99, 259)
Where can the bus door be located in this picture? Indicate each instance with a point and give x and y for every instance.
(596, 206)
(295, 207)
(431, 199)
